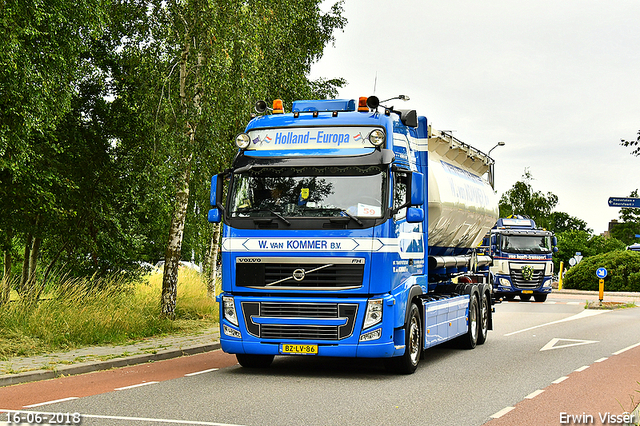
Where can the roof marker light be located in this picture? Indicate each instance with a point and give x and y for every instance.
(362, 104)
(277, 107)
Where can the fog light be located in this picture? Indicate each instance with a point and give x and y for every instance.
(231, 332)
(372, 335)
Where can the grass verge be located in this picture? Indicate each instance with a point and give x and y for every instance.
(97, 312)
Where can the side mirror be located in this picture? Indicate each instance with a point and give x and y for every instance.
(214, 215)
(417, 189)
(415, 215)
(554, 241)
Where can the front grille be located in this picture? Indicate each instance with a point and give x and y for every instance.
(321, 273)
(519, 282)
(299, 321)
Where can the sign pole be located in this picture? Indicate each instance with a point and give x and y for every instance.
(601, 290)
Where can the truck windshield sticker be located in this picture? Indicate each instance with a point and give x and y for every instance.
(309, 138)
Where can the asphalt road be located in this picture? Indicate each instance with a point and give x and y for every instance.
(536, 351)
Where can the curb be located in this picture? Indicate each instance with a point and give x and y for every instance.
(88, 367)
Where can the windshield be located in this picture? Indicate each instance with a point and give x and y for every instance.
(526, 244)
(309, 192)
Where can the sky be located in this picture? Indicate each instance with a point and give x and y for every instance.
(557, 80)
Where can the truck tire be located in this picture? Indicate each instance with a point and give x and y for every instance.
(540, 297)
(469, 340)
(407, 363)
(484, 319)
(254, 361)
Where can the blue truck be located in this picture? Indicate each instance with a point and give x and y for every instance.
(522, 259)
(349, 230)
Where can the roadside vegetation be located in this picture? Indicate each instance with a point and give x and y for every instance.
(112, 310)
(623, 272)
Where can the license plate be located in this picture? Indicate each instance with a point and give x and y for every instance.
(298, 349)
(527, 291)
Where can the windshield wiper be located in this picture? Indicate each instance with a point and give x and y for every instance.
(358, 221)
(262, 209)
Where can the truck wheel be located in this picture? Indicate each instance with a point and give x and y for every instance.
(484, 319)
(525, 297)
(254, 361)
(407, 363)
(470, 339)
(540, 297)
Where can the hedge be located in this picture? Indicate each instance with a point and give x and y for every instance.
(623, 272)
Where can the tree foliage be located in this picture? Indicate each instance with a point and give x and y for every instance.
(623, 272)
(575, 241)
(112, 109)
(521, 199)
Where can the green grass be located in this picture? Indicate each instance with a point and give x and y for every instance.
(71, 315)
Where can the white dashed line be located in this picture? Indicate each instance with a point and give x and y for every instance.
(502, 412)
(200, 372)
(51, 402)
(561, 379)
(534, 394)
(136, 386)
(626, 349)
(584, 367)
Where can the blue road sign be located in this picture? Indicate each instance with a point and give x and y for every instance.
(601, 272)
(624, 202)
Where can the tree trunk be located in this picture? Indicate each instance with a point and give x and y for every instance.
(213, 261)
(174, 247)
(33, 290)
(5, 289)
(25, 264)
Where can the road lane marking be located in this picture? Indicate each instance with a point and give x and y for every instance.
(584, 314)
(561, 379)
(137, 419)
(136, 386)
(584, 367)
(200, 372)
(534, 394)
(553, 343)
(502, 412)
(626, 349)
(51, 402)
(602, 359)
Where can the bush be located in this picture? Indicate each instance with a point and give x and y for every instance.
(623, 272)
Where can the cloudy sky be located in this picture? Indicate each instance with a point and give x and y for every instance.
(557, 80)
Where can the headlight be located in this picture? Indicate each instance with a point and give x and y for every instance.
(377, 137)
(229, 310)
(243, 141)
(505, 282)
(373, 315)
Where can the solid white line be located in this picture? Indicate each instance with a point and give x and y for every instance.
(602, 359)
(584, 367)
(550, 303)
(584, 314)
(138, 419)
(561, 379)
(574, 303)
(626, 349)
(534, 394)
(136, 386)
(502, 412)
(51, 402)
(200, 372)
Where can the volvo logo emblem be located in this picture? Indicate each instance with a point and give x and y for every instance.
(298, 274)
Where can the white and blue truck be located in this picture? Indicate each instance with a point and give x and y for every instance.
(522, 259)
(349, 230)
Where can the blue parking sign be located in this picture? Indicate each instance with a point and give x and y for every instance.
(601, 272)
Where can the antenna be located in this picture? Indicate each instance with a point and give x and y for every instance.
(375, 83)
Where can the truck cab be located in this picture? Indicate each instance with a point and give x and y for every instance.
(522, 259)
